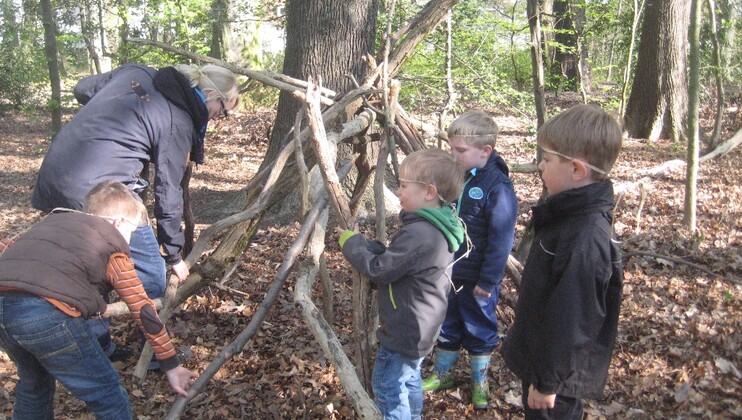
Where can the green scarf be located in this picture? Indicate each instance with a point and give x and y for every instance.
(444, 220)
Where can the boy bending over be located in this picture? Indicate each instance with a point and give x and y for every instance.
(51, 280)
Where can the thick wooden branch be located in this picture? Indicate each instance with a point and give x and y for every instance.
(325, 156)
(276, 80)
(258, 317)
(322, 330)
(723, 148)
(424, 22)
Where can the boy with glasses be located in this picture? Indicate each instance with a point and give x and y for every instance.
(566, 318)
(412, 275)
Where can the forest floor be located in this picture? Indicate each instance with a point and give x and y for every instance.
(679, 347)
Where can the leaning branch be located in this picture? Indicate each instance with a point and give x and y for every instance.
(276, 80)
(260, 314)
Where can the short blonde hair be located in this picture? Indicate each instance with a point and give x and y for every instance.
(111, 198)
(210, 78)
(585, 132)
(437, 167)
(474, 127)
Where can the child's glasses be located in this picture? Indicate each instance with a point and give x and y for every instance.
(594, 168)
(409, 181)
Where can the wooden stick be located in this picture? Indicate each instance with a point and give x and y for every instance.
(322, 330)
(258, 317)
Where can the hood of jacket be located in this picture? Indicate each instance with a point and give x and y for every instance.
(447, 223)
(177, 89)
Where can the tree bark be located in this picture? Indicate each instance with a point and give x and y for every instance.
(638, 9)
(691, 176)
(50, 51)
(657, 107)
(313, 32)
(719, 72)
(537, 61)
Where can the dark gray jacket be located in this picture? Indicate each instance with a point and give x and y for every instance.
(111, 137)
(566, 319)
(411, 278)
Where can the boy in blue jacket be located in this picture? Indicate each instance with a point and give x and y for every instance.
(412, 275)
(489, 209)
(566, 319)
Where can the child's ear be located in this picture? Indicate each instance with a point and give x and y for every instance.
(487, 149)
(579, 170)
(431, 193)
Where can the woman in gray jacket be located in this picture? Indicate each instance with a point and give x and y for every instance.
(135, 115)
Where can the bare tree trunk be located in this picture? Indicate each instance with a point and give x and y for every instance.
(89, 36)
(657, 107)
(50, 50)
(691, 177)
(450, 91)
(718, 75)
(638, 9)
(537, 62)
(613, 44)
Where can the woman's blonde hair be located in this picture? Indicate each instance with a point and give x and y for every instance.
(475, 128)
(434, 166)
(210, 78)
(584, 132)
(111, 198)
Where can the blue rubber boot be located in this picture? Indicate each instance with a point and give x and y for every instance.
(443, 371)
(480, 389)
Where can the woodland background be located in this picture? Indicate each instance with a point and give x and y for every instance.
(678, 352)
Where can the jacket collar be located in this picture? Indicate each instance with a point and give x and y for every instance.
(177, 89)
(594, 198)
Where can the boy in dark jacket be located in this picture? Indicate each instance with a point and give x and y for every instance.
(566, 319)
(489, 209)
(412, 275)
(51, 280)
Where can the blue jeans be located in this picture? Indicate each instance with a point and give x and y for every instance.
(398, 390)
(150, 267)
(47, 345)
(470, 322)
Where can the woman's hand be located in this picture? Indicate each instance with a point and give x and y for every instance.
(181, 270)
(180, 379)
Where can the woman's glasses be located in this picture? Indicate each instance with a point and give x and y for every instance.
(223, 113)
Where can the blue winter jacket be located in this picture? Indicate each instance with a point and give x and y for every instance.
(489, 209)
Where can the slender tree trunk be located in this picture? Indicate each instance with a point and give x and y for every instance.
(718, 75)
(638, 9)
(88, 35)
(50, 50)
(613, 44)
(219, 24)
(691, 177)
(537, 62)
(450, 91)
(657, 107)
